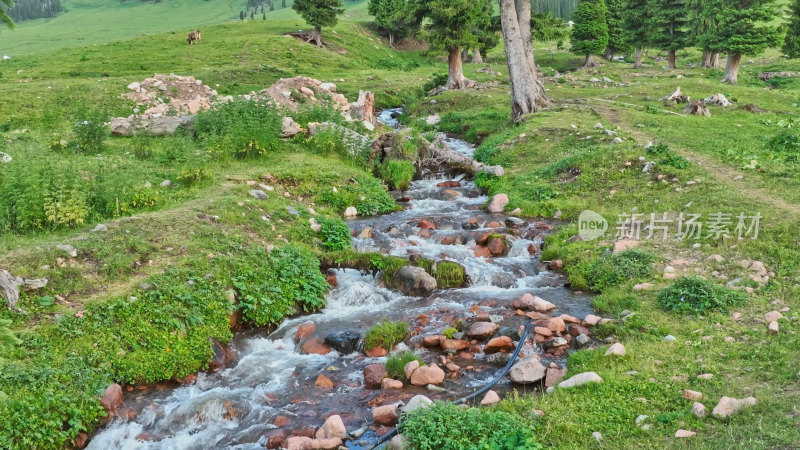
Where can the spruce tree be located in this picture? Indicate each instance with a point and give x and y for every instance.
(241, 15)
(590, 32)
(4, 18)
(397, 17)
(669, 27)
(617, 34)
(791, 44)
(251, 15)
(318, 13)
(638, 20)
(272, 7)
(264, 16)
(700, 24)
(450, 29)
(744, 28)
(283, 3)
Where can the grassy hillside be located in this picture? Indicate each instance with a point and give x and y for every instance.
(205, 228)
(87, 22)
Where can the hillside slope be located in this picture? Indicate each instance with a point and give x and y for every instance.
(88, 22)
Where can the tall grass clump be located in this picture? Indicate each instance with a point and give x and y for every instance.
(240, 129)
(397, 174)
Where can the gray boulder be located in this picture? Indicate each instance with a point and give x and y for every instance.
(412, 280)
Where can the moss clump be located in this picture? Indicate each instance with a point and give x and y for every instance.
(386, 334)
(449, 274)
(695, 295)
(449, 332)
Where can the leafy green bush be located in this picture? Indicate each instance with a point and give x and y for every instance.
(604, 272)
(276, 284)
(668, 157)
(786, 145)
(90, 131)
(335, 234)
(445, 426)
(240, 129)
(7, 337)
(436, 80)
(367, 195)
(386, 334)
(695, 295)
(398, 174)
(396, 363)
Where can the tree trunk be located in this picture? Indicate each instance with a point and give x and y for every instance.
(706, 62)
(609, 55)
(464, 55)
(316, 37)
(477, 58)
(671, 59)
(637, 64)
(590, 61)
(455, 78)
(714, 60)
(523, 13)
(527, 92)
(391, 38)
(732, 68)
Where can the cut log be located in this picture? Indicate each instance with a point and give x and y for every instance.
(10, 284)
(676, 97)
(440, 156)
(697, 108)
(718, 100)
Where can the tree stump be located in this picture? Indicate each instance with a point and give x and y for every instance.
(676, 97)
(697, 108)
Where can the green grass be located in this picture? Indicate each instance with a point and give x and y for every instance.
(163, 275)
(386, 334)
(90, 22)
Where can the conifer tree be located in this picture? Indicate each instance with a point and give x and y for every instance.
(791, 43)
(744, 28)
(638, 20)
(318, 13)
(617, 34)
(669, 27)
(590, 32)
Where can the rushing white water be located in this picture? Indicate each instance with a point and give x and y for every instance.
(272, 377)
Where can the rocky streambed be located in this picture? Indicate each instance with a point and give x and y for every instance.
(282, 386)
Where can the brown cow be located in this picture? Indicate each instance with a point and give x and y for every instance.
(193, 36)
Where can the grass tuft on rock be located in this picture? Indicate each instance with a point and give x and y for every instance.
(386, 334)
(695, 295)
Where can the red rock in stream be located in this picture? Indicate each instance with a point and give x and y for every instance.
(323, 382)
(112, 398)
(304, 330)
(426, 225)
(432, 340)
(497, 246)
(453, 344)
(494, 224)
(80, 440)
(448, 184)
(374, 375)
(376, 352)
(482, 252)
(315, 345)
(499, 344)
(482, 330)
(426, 375)
(331, 279)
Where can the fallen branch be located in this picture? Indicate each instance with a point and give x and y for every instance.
(639, 106)
(10, 284)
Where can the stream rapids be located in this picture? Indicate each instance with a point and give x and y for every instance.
(270, 388)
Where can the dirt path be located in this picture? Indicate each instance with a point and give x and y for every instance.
(720, 172)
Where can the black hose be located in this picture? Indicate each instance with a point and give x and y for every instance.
(480, 391)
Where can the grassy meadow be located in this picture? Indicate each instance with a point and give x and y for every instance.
(138, 303)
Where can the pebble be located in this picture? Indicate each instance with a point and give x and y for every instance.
(684, 433)
(597, 436)
(670, 338)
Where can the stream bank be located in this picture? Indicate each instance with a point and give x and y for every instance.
(274, 389)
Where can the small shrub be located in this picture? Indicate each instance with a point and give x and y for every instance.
(240, 129)
(189, 177)
(436, 80)
(7, 337)
(386, 334)
(90, 131)
(695, 295)
(667, 156)
(334, 233)
(605, 272)
(396, 363)
(274, 285)
(398, 174)
(445, 426)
